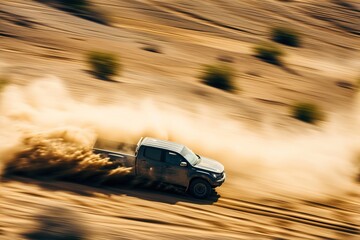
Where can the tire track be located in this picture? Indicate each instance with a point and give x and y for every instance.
(184, 14)
(287, 214)
(297, 217)
(131, 207)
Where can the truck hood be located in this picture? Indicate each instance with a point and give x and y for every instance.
(210, 165)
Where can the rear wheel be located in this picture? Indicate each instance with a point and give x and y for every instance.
(200, 188)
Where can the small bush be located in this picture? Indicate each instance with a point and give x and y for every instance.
(345, 84)
(286, 36)
(269, 53)
(151, 48)
(80, 8)
(57, 223)
(219, 76)
(3, 82)
(307, 112)
(103, 65)
(226, 58)
(76, 4)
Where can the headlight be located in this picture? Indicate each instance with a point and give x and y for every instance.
(215, 175)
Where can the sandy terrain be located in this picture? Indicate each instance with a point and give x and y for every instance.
(147, 214)
(289, 180)
(54, 42)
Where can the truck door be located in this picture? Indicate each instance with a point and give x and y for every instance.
(174, 173)
(149, 163)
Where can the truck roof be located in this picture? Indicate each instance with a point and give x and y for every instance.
(171, 146)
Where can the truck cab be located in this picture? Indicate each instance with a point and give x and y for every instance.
(175, 164)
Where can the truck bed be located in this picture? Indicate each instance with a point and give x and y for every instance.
(120, 159)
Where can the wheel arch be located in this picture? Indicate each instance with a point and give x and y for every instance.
(197, 177)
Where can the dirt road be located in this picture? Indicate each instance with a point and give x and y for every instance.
(127, 213)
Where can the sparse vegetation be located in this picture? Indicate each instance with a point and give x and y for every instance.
(269, 52)
(345, 84)
(76, 4)
(57, 224)
(226, 58)
(151, 48)
(346, 4)
(286, 36)
(3, 82)
(80, 8)
(307, 112)
(219, 76)
(103, 65)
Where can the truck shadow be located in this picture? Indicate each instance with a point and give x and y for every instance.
(164, 195)
(149, 192)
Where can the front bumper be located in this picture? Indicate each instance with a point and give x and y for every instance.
(220, 181)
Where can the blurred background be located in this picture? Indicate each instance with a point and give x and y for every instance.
(267, 87)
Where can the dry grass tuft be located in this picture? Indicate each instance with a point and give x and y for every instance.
(307, 112)
(286, 36)
(80, 8)
(219, 76)
(269, 52)
(103, 65)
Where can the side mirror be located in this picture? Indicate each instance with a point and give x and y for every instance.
(183, 164)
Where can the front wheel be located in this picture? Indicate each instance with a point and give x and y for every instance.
(200, 188)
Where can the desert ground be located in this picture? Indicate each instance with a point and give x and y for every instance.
(286, 179)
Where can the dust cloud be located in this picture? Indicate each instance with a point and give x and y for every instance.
(58, 154)
(44, 129)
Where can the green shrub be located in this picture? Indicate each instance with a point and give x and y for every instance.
(80, 8)
(77, 4)
(219, 76)
(103, 64)
(307, 112)
(269, 53)
(81, 5)
(286, 36)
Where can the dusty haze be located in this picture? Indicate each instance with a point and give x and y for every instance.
(44, 115)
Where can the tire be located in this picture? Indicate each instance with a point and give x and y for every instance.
(200, 188)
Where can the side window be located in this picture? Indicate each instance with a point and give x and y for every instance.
(173, 158)
(153, 153)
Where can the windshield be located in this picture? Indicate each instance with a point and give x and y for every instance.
(190, 156)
